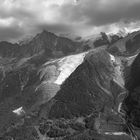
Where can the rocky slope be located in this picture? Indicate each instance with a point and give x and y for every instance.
(126, 46)
(44, 43)
(102, 39)
(44, 103)
(84, 96)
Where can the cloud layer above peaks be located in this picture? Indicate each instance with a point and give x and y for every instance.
(19, 18)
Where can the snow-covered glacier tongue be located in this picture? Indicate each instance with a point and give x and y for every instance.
(67, 65)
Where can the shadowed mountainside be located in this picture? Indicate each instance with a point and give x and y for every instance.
(133, 86)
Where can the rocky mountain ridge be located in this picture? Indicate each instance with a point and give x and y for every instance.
(46, 43)
(89, 95)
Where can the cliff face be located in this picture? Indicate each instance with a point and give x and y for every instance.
(133, 86)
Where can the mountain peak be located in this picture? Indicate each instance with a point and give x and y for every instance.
(46, 33)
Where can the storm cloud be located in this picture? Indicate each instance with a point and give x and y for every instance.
(19, 18)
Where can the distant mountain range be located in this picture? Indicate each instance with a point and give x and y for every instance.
(54, 46)
(45, 43)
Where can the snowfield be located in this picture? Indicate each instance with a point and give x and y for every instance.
(67, 65)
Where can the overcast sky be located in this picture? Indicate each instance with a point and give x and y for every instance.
(19, 18)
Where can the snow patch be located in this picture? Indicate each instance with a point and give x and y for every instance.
(118, 70)
(115, 133)
(132, 57)
(112, 58)
(67, 65)
(19, 111)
